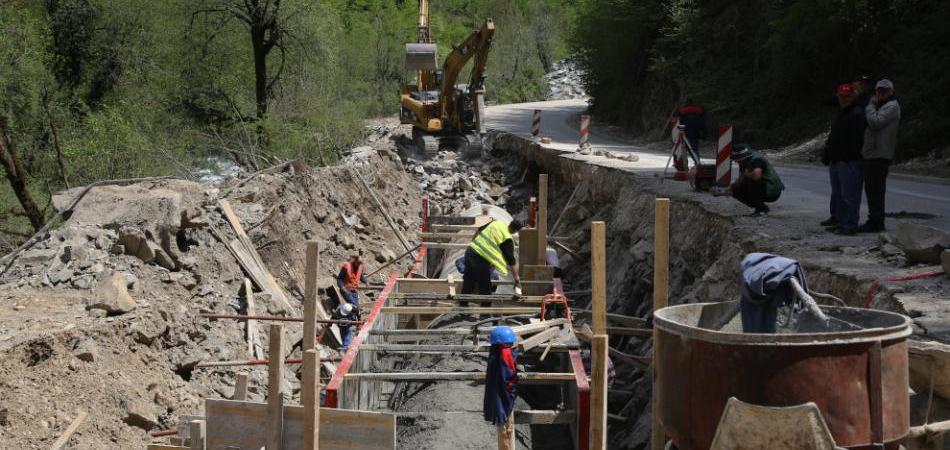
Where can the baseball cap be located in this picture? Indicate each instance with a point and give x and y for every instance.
(845, 89)
(884, 84)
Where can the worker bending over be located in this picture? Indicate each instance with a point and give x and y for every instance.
(758, 183)
(349, 279)
(493, 246)
(501, 379)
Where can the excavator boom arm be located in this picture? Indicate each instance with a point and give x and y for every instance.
(477, 45)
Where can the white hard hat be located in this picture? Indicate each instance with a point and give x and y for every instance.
(346, 308)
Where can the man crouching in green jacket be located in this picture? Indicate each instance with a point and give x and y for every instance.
(758, 183)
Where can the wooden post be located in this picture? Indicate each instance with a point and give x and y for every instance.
(310, 296)
(542, 218)
(598, 392)
(251, 326)
(275, 401)
(506, 434)
(240, 387)
(598, 276)
(196, 434)
(310, 397)
(661, 285)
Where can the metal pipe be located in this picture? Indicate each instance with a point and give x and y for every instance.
(277, 319)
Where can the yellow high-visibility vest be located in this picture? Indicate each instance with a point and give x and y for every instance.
(488, 244)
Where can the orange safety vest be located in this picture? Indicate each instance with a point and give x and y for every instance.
(352, 280)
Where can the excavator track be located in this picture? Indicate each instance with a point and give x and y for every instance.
(428, 145)
(472, 145)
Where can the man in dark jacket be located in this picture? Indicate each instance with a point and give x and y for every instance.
(842, 153)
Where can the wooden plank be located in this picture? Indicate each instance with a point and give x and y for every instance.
(451, 348)
(439, 221)
(545, 417)
(68, 433)
(383, 210)
(197, 435)
(527, 247)
(661, 282)
(522, 330)
(628, 321)
(444, 245)
(448, 227)
(310, 295)
(310, 397)
(598, 276)
(240, 387)
(450, 281)
(598, 393)
(259, 274)
(537, 273)
(459, 310)
(275, 401)
(542, 243)
(466, 236)
(540, 338)
(566, 207)
(251, 326)
(243, 425)
(627, 331)
(506, 434)
(458, 376)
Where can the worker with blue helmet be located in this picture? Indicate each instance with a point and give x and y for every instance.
(501, 377)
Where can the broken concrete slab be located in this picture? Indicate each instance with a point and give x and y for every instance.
(112, 296)
(115, 206)
(920, 243)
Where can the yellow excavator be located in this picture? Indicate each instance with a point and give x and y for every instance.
(441, 112)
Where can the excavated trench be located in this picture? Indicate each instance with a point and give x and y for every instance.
(705, 250)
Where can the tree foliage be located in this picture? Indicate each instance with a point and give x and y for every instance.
(767, 66)
(122, 88)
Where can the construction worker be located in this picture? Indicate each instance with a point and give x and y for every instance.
(349, 279)
(693, 117)
(492, 246)
(501, 380)
(346, 311)
(842, 154)
(758, 183)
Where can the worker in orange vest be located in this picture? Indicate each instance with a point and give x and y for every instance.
(349, 279)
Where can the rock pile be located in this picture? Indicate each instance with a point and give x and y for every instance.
(566, 81)
(454, 184)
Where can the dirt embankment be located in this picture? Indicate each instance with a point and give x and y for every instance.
(708, 240)
(103, 314)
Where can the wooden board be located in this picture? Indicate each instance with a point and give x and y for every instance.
(527, 247)
(537, 273)
(243, 425)
(598, 276)
(545, 417)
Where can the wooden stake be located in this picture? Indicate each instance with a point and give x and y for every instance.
(567, 206)
(598, 393)
(251, 326)
(240, 387)
(598, 276)
(196, 434)
(542, 219)
(64, 438)
(275, 401)
(310, 296)
(310, 397)
(506, 434)
(661, 282)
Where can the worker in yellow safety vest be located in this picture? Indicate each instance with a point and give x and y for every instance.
(492, 247)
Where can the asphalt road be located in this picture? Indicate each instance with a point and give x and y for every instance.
(807, 188)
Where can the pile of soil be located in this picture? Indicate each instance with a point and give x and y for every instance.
(102, 314)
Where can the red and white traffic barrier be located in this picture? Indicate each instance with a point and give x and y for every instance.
(585, 131)
(723, 156)
(536, 124)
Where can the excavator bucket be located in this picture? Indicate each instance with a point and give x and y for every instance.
(422, 57)
(748, 426)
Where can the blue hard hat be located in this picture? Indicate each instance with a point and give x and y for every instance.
(502, 335)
